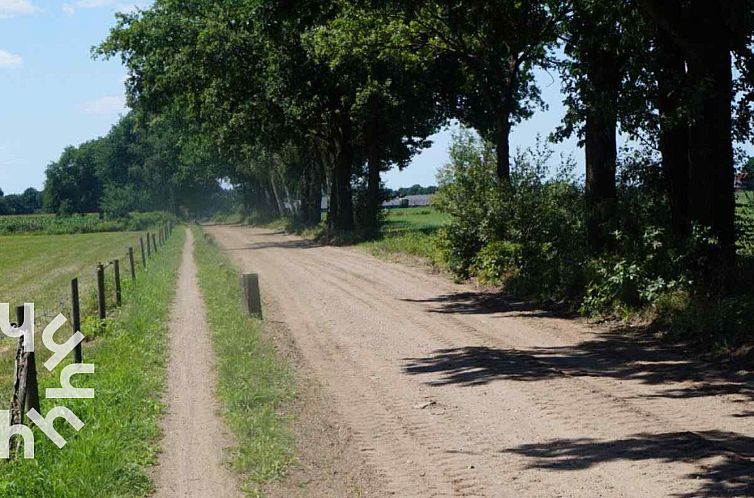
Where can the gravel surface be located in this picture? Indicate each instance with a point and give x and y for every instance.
(449, 391)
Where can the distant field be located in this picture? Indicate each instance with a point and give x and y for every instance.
(745, 220)
(418, 219)
(409, 231)
(39, 268)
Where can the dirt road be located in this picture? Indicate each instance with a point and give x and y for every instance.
(450, 392)
(191, 463)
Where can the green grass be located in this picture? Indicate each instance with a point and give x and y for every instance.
(110, 455)
(39, 268)
(745, 221)
(409, 231)
(254, 382)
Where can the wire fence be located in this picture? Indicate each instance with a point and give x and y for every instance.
(109, 275)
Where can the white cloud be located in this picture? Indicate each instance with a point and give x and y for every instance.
(13, 8)
(111, 104)
(71, 8)
(8, 59)
(129, 8)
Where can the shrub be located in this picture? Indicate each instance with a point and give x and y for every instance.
(535, 223)
(498, 261)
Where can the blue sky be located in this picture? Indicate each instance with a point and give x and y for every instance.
(52, 94)
(424, 165)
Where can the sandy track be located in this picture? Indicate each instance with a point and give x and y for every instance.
(450, 392)
(192, 460)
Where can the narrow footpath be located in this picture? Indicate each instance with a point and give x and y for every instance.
(192, 461)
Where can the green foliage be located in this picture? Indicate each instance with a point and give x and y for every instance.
(498, 262)
(140, 165)
(745, 222)
(411, 231)
(117, 202)
(536, 221)
(29, 202)
(254, 384)
(634, 278)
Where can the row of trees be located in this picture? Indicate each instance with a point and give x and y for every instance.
(290, 98)
(138, 166)
(29, 202)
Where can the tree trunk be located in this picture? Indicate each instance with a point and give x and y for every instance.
(333, 214)
(704, 34)
(278, 202)
(600, 147)
(503, 129)
(374, 165)
(674, 130)
(311, 194)
(711, 193)
(343, 219)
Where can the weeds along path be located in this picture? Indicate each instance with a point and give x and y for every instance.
(450, 392)
(191, 463)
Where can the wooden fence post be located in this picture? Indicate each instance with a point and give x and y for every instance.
(32, 388)
(116, 271)
(149, 246)
(76, 317)
(18, 399)
(250, 286)
(143, 257)
(154, 243)
(101, 308)
(131, 262)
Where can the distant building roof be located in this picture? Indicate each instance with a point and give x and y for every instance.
(412, 200)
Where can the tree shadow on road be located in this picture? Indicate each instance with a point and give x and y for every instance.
(614, 355)
(479, 303)
(724, 456)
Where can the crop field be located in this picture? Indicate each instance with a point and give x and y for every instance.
(51, 224)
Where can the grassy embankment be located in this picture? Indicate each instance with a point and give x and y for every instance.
(409, 231)
(254, 382)
(110, 455)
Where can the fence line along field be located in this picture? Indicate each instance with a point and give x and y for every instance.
(39, 269)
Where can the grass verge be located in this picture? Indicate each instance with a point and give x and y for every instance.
(110, 454)
(254, 382)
